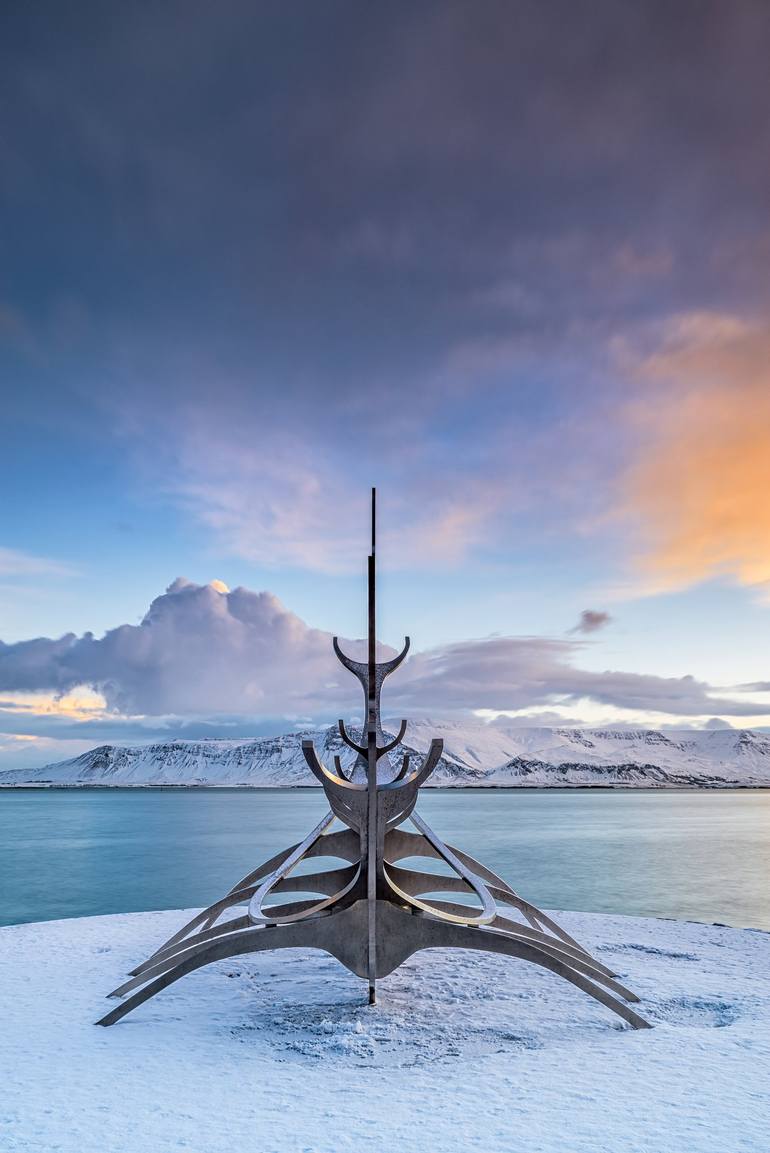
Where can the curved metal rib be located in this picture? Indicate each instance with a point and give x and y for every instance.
(322, 774)
(349, 741)
(348, 799)
(188, 947)
(327, 881)
(403, 770)
(255, 904)
(360, 669)
(396, 740)
(266, 867)
(387, 667)
(338, 766)
(546, 944)
(313, 934)
(164, 958)
(488, 910)
(208, 916)
(334, 935)
(258, 916)
(344, 844)
(296, 913)
(238, 893)
(401, 843)
(205, 919)
(432, 758)
(417, 883)
(408, 934)
(418, 776)
(397, 798)
(207, 932)
(489, 941)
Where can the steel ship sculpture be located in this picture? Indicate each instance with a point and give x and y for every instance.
(371, 912)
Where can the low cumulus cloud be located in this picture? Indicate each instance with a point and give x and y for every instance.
(203, 650)
(198, 649)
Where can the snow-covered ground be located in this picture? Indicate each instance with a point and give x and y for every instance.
(279, 1053)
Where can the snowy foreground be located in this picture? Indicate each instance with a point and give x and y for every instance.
(279, 1052)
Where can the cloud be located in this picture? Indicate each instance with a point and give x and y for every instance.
(296, 506)
(504, 673)
(83, 705)
(697, 493)
(14, 563)
(201, 652)
(403, 265)
(197, 650)
(591, 621)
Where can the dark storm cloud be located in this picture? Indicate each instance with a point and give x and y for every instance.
(241, 231)
(358, 172)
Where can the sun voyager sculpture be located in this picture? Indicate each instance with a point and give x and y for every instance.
(370, 912)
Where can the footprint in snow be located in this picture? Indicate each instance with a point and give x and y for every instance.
(649, 950)
(698, 1011)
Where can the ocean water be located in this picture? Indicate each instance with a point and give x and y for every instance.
(701, 856)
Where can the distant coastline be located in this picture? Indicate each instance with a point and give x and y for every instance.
(191, 786)
(475, 756)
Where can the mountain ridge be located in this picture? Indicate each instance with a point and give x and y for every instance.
(475, 755)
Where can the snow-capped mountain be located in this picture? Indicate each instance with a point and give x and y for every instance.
(474, 755)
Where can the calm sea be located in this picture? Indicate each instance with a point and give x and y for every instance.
(699, 855)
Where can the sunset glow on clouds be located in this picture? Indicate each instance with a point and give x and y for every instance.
(203, 652)
(81, 705)
(700, 486)
(526, 296)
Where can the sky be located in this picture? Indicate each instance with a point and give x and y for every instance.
(508, 262)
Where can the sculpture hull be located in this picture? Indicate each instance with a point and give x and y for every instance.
(371, 913)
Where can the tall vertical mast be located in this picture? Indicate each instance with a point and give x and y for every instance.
(371, 775)
(372, 575)
(370, 754)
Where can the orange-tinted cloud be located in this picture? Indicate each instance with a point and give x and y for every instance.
(699, 490)
(83, 705)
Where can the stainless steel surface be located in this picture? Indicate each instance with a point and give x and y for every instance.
(371, 913)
